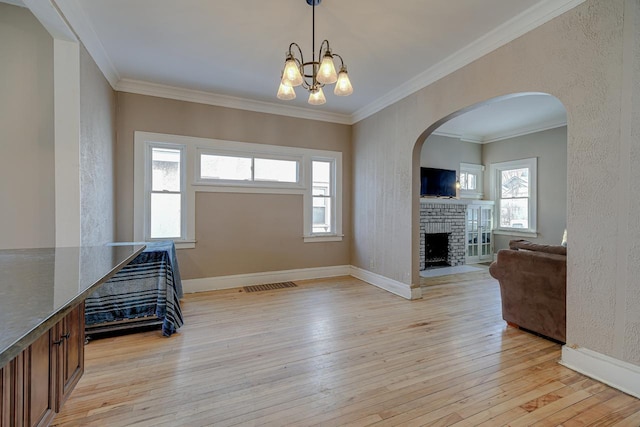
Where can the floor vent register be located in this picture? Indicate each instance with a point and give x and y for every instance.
(270, 286)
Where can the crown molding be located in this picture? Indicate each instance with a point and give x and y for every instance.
(201, 97)
(517, 26)
(81, 24)
(505, 33)
(476, 139)
(540, 127)
(466, 138)
(18, 3)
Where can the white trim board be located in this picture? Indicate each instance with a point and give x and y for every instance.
(616, 373)
(209, 98)
(401, 289)
(240, 280)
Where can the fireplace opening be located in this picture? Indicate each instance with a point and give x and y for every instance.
(436, 249)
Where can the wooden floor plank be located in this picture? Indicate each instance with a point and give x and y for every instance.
(340, 352)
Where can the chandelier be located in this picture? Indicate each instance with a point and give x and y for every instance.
(313, 75)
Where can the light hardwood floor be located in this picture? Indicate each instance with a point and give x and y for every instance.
(339, 352)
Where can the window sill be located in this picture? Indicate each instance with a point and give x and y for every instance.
(471, 195)
(185, 244)
(318, 239)
(513, 232)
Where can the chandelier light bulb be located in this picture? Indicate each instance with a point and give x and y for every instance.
(327, 73)
(291, 75)
(343, 85)
(286, 92)
(316, 97)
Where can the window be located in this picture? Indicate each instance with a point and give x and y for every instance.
(514, 192)
(322, 194)
(165, 192)
(468, 181)
(471, 181)
(164, 199)
(161, 186)
(218, 168)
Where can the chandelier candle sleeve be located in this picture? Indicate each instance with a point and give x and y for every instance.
(286, 92)
(313, 75)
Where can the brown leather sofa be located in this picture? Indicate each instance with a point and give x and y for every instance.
(533, 286)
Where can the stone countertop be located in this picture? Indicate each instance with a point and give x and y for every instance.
(38, 287)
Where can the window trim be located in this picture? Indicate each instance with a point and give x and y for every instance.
(148, 189)
(198, 180)
(478, 171)
(193, 145)
(495, 174)
(334, 189)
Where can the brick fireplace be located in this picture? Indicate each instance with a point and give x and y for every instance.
(442, 229)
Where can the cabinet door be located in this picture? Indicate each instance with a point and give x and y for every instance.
(71, 356)
(5, 395)
(486, 225)
(39, 385)
(472, 234)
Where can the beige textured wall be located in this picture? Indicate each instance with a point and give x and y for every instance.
(251, 233)
(97, 145)
(447, 153)
(27, 212)
(550, 148)
(577, 57)
(151, 114)
(627, 324)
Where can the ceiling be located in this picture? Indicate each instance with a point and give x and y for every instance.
(507, 118)
(231, 52)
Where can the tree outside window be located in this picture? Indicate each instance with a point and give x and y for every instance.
(514, 191)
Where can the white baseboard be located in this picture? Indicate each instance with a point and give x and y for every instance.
(239, 280)
(401, 289)
(616, 373)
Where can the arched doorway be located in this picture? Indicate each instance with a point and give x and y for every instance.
(472, 144)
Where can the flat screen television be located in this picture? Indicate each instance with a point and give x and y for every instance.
(437, 182)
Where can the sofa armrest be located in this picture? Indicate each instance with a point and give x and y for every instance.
(529, 246)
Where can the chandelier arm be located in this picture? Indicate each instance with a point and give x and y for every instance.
(325, 45)
(301, 60)
(341, 61)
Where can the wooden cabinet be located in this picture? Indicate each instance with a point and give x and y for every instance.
(71, 355)
(39, 380)
(478, 233)
(6, 378)
(35, 384)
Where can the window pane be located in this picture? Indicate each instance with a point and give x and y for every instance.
(165, 215)
(225, 167)
(321, 215)
(514, 183)
(514, 213)
(471, 182)
(321, 176)
(275, 170)
(165, 167)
